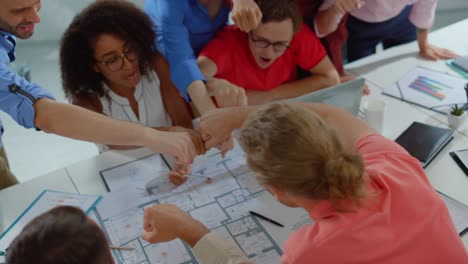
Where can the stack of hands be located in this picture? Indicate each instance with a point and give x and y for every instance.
(215, 131)
(166, 222)
(185, 144)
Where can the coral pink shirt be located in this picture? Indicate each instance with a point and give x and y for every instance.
(407, 223)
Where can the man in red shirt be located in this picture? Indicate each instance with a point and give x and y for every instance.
(264, 61)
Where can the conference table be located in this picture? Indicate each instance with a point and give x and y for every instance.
(380, 71)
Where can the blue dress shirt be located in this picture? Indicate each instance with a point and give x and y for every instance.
(17, 95)
(183, 28)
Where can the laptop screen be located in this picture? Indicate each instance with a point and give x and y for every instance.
(346, 95)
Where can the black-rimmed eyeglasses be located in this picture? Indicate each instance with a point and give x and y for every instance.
(263, 43)
(116, 63)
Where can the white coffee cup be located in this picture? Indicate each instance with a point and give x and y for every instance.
(374, 111)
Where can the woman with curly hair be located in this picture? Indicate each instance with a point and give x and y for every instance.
(109, 66)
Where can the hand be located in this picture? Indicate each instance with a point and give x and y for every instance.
(227, 145)
(194, 135)
(259, 97)
(166, 222)
(177, 175)
(432, 52)
(217, 125)
(226, 93)
(246, 14)
(176, 144)
(347, 78)
(344, 6)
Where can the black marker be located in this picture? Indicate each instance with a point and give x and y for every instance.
(265, 218)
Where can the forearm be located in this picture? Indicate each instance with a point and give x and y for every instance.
(350, 129)
(240, 115)
(213, 249)
(327, 21)
(120, 147)
(422, 37)
(200, 97)
(173, 102)
(117, 147)
(304, 86)
(207, 66)
(192, 232)
(78, 123)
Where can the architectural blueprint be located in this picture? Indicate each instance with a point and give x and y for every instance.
(222, 205)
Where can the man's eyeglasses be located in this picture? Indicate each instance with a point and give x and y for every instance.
(116, 63)
(278, 47)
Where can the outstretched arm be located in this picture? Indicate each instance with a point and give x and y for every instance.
(330, 14)
(429, 51)
(348, 126)
(166, 222)
(78, 123)
(246, 14)
(173, 41)
(422, 17)
(226, 93)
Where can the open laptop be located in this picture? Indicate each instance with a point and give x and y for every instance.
(346, 95)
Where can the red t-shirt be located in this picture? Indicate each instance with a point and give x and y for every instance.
(235, 62)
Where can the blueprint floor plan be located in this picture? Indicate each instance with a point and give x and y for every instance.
(222, 205)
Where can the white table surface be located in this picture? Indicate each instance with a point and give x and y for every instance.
(14, 200)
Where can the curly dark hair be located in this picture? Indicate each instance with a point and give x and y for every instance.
(117, 17)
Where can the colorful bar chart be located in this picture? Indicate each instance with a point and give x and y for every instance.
(430, 87)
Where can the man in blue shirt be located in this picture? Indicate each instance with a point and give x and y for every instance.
(34, 107)
(184, 27)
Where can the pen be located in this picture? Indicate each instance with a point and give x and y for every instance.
(121, 248)
(199, 176)
(265, 218)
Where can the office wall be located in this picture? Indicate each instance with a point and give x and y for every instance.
(56, 15)
(444, 5)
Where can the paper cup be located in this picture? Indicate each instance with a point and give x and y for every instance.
(374, 112)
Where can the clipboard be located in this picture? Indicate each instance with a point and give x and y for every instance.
(45, 201)
(430, 89)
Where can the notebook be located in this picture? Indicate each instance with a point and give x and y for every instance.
(456, 69)
(424, 141)
(461, 158)
(461, 63)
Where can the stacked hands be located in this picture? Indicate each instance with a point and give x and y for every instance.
(189, 143)
(215, 131)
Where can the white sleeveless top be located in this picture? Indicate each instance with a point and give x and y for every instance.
(150, 105)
